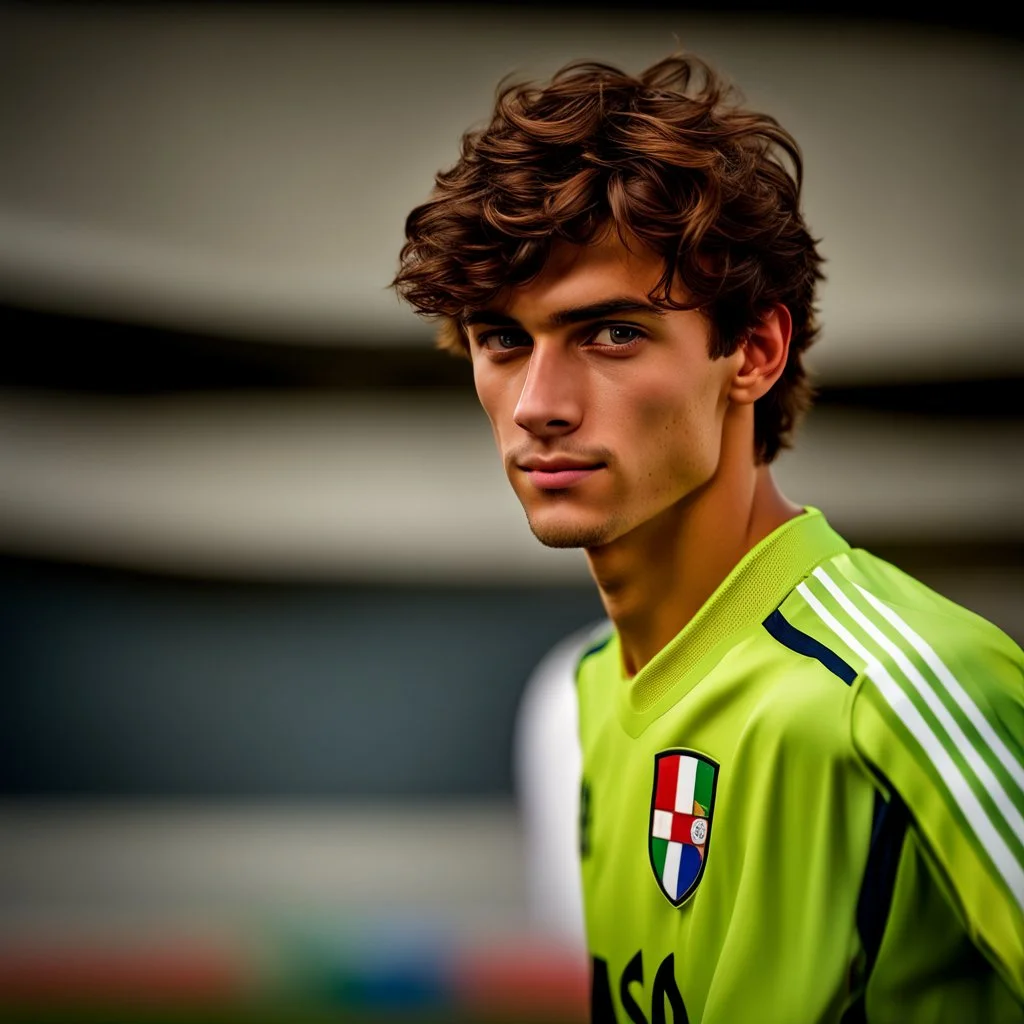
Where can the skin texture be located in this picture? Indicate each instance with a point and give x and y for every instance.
(620, 434)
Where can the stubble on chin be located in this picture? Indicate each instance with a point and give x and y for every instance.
(571, 535)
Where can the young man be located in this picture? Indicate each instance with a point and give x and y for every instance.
(802, 773)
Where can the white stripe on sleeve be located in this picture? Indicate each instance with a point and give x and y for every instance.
(956, 691)
(984, 774)
(989, 838)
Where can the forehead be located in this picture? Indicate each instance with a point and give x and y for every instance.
(578, 275)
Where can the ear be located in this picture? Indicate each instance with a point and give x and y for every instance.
(765, 351)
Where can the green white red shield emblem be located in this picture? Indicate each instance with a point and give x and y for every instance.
(682, 806)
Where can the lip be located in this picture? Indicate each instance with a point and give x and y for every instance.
(558, 474)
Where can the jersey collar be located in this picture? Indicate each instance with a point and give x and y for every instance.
(756, 586)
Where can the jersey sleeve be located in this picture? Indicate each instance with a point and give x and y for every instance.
(927, 970)
(938, 717)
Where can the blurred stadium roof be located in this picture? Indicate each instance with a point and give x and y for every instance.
(210, 197)
(245, 169)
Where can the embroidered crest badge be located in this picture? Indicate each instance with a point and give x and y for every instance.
(682, 806)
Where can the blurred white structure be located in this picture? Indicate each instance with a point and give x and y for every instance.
(547, 776)
(411, 487)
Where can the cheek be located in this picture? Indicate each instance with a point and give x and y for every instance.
(680, 428)
(498, 400)
(487, 395)
(665, 414)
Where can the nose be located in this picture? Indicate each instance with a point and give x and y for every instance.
(550, 403)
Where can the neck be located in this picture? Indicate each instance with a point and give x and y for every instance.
(654, 579)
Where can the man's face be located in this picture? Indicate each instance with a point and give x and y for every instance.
(607, 411)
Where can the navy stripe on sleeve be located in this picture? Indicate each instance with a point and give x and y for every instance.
(789, 636)
(888, 831)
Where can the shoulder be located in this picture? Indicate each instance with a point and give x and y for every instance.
(592, 640)
(594, 651)
(947, 685)
(565, 657)
(906, 642)
(879, 613)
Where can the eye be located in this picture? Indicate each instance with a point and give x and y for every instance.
(617, 335)
(503, 340)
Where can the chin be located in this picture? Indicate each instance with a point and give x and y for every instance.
(566, 533)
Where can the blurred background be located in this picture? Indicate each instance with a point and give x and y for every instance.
(267, 605)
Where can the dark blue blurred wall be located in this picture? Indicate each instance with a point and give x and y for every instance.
(122, 684)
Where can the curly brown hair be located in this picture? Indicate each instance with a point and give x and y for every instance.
(669, 157)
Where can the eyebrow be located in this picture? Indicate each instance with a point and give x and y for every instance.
(571, 315)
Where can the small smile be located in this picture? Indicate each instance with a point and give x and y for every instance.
(558, 474)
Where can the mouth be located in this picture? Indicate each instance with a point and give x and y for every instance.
(559, 474)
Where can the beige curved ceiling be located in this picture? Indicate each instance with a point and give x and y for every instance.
(248, 169)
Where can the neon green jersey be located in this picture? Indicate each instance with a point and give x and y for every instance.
(810, 805)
